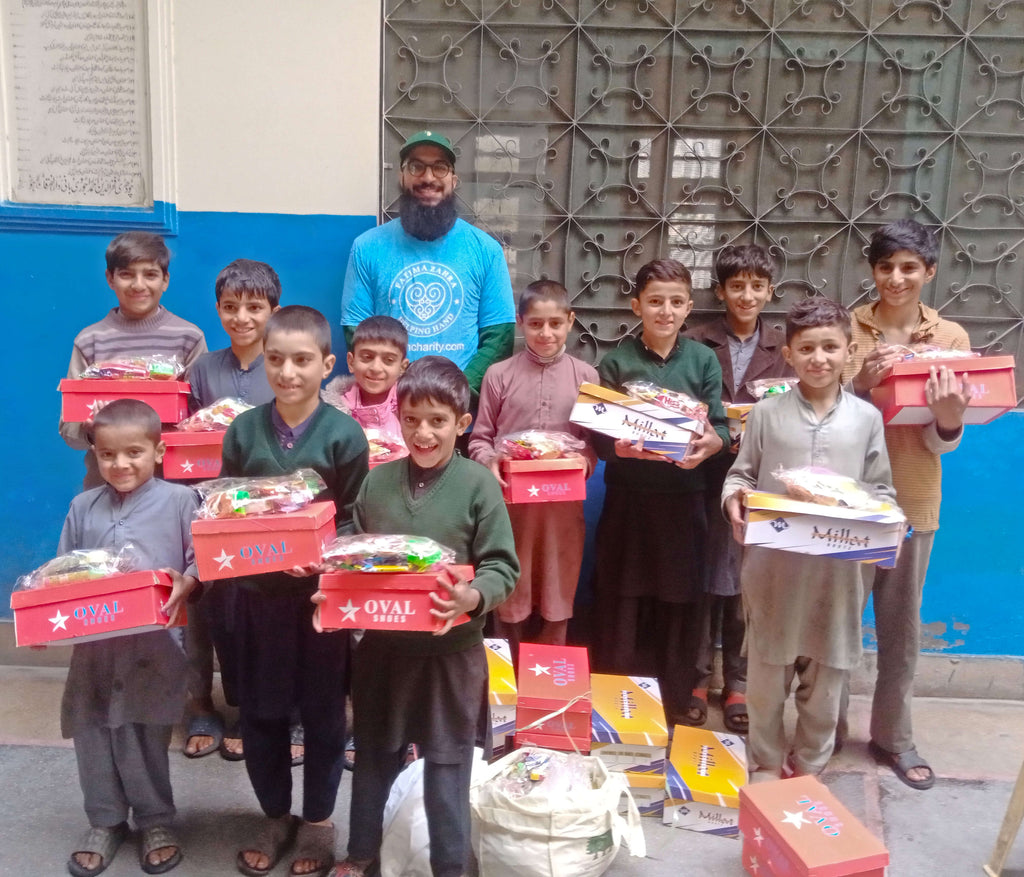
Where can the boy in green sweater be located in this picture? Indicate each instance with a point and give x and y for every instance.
(282, 663)
(420, 687)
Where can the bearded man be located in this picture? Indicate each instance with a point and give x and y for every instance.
(444, 279)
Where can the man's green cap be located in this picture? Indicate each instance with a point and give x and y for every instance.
(431, 137)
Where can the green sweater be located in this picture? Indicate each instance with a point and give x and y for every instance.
(691, 368)
(333, 445)
(462, 510)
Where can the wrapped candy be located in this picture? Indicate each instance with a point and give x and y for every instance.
(140, 368)
(82, 566)
(536, 444)
(556, 775)
(240, 497)
(370, 552)
(770, 387)
(384, 447)
(825, 487)
(670, 399)
(931, 353)
(215, 417)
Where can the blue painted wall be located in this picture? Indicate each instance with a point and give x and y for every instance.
(53, 286)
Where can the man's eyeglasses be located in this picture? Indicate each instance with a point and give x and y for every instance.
(440, 169)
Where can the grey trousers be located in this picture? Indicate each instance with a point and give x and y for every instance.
(817, 698)
(125, 771)
(897, 598)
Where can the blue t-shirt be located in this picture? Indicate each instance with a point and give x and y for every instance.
(442, 291)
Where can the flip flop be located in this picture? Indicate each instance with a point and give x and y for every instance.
(232, 733)
(901, 763)
(698, 706)
(274, 838)
(297, 737)
(734, 712)
(316, 843)
(349, 763)
(103, 842)
(156, 838)
(204, 725)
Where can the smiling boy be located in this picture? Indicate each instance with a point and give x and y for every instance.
(137, 272)
(429, 688)
(803, 612)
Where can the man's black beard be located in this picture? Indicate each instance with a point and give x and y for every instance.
(424, 222)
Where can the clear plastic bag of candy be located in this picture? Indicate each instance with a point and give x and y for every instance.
(275, 494)
(673, 400)
(374, 552)
(538, 444)
(770, 387)
(825, 487)
(214, 418)
(931, 352)
(556, 775)
(384, 446)
(82, 566)
(139, 368)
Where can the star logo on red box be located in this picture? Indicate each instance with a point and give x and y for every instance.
(59, 621)
(350, 610)
(224, 559)
(796, 819)
(538, 670)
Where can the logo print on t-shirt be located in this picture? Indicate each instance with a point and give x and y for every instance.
(427, 296)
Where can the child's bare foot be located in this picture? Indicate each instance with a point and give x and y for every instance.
(314, 849)
(231, 746)
(205, 732)
(297, 735)
(96, 850)
(159, 851)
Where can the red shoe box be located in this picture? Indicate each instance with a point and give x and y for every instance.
(550, 678)
(796, 828)
(383, 601)
(901, 395)
(82, 398)
(80, 612)
(192, 455)
(255, 544)
(544, 480)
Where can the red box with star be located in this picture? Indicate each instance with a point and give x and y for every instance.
(797, 828)
(82, 398)
(554, 679)
(192, 455)
(901, 397)
(255, 544)
(382, 601)
(544, 480)
(80, 612)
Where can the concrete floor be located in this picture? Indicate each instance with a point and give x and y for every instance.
(976, 747)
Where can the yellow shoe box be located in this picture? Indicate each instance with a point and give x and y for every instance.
(628, 726)
(705, 773)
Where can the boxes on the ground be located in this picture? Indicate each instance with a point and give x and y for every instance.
(621, 416)
(383, 601)
(777, 521)
(254, 544)
(554, 679)
(79, 612)
(629, 735)
(901, 397)
(628, 732)
(501, 693)
(797, 827)
(192, 455)
(544, 480)
(704, 775)
(81, 398)
(737, 415)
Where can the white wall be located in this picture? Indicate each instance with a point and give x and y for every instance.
(277, 106)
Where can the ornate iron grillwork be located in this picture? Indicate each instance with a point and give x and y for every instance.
(595, 135)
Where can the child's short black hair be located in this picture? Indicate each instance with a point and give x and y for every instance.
(127, 412)
(668, 270)
(544, 290)
(247, 277)
(903, 234)
(381, 330)
(300, 318)
(743, 259)
(137, 246)
(438, 379)
(816, 311)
